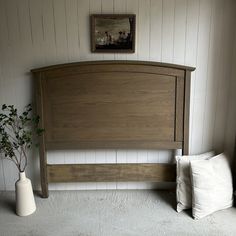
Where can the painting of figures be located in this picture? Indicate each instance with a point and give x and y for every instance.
(113, 33)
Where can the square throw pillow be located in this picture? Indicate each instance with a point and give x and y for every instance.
(183, 180)
(212, 186)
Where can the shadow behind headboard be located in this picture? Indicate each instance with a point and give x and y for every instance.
(112, 104)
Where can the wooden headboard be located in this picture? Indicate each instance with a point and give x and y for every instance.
(112, 104)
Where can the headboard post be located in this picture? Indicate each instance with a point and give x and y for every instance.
(42, 151)
(186, 111)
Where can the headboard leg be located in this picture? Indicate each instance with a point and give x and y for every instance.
(186, 112)
(43, 174)
(44, 187)
(42, 151)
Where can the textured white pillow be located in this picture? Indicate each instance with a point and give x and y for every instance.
(212, 186)
(183, 179)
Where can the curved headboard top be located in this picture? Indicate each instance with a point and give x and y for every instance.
(114, 104)
(129, 62)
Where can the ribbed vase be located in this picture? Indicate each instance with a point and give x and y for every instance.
(25, 203)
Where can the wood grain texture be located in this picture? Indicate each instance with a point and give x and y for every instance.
(127, 105)
(112, 105)
(113, 144)
(179, 121)
(186, 112)
(42, 152)
(111, 172)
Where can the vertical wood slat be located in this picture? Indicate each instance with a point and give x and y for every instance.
(187, 86)
(43, 156)
(179, 109)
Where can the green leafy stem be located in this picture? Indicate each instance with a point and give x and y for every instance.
(17, 134)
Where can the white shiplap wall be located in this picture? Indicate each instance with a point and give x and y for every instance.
(36, 33)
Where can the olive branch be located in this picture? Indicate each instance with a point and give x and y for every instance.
(17, 134)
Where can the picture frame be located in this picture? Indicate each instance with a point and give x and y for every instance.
(113, 33)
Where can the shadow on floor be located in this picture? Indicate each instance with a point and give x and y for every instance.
(9, 205)
(169, 199)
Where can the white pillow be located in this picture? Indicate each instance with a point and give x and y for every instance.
(183, 180)
(212, 185)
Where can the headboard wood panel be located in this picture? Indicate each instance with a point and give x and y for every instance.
(111, 104)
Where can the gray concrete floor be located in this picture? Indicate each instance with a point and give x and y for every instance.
(108, 213)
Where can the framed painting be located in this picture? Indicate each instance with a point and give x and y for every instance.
(113, 33)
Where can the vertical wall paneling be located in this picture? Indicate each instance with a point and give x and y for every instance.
(83, 22)
(213, 74)
(61, 30)
(191, 50)
(180, 15)
(205, 14)
(199, 33)
(143, 46)
(155, 32)
(168, 17)
(133, 8)
(72, 29)
(49, 32)
(223, 87)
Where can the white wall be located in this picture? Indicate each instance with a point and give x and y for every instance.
(198, 33)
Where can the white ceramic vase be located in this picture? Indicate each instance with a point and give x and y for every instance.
(25, 203)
